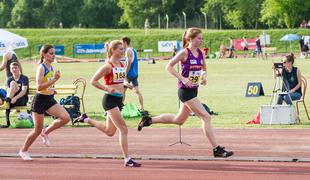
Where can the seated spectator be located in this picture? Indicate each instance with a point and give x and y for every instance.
(222, 51)
(291, 81)
(308, 24)
(17, 87)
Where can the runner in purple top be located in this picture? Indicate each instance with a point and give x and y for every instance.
(193, 72)
(191, 68)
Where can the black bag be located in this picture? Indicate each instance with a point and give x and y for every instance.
(72, 105)
(209, 110)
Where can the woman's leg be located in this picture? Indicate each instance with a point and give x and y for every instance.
(62, 115)
(32, 136)
(197, 108)
(121, 126)
(293, 97)
(280, 99)
(12, 90)
(109, 129)
(178, 119)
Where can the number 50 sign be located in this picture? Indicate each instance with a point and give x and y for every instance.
(254, 89)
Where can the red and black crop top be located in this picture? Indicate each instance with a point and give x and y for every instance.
(116, 76)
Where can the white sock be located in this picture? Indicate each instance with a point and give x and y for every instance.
(127, 159)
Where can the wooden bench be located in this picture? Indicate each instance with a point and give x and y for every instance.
(76, 88)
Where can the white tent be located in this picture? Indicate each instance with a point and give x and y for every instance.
(9, 41)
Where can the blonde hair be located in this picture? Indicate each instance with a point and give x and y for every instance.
(188, 35)
(113, 45)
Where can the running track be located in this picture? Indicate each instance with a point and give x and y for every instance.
(250, 146)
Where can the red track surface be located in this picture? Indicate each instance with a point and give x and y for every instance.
(83, 169)
(255, 143)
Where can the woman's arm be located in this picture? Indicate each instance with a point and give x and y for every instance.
(40, 79)
(204, 75)
(176, 59)
(102, 71)
(299, 82)
(3, 64)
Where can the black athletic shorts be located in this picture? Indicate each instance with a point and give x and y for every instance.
(133, 80)
(20, 102)
(109, 102)
(41, 103)
(186, 94)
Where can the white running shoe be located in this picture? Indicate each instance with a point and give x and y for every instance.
(25, 156)
(46, 142)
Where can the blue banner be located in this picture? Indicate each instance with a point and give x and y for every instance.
(59, 49)
(89, 49)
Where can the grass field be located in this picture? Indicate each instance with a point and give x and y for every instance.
(212, 38)
(225, 92)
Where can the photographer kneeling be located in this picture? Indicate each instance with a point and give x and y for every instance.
(291, 80)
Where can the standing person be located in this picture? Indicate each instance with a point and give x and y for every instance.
(17, 87)
(193, 68)
(245, 44)
(8, 58)
(132, 69)
(231, 48)
(44, 101)
(259, 52)
(114, 74)
(174, 51)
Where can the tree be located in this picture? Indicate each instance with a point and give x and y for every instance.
(27, 13)
(235, 13)
(277, 13)
(100, 14)
(59, 11)
(136, 11)
(6, 7)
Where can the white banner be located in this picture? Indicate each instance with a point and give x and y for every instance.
(168, 46)
(307, 39)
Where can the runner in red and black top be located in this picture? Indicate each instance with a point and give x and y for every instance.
(193, 72)
(114, 74)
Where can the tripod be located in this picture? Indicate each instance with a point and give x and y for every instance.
(180, 129)
(280, 85)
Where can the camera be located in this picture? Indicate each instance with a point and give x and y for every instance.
(278, 65)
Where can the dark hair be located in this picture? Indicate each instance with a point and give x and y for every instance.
(127, 40)
(290, 58)
(44, 49)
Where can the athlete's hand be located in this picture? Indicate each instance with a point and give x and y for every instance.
(187, 82)
(57, 75)
(13, 100)
(129, 86)
(204, 81)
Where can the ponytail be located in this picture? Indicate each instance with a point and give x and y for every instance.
(189, 34)
(184, 41)
(44, 49)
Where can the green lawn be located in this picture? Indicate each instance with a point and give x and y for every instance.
(225, 92)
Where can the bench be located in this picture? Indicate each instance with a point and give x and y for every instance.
(269, 50)
(76, 88)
